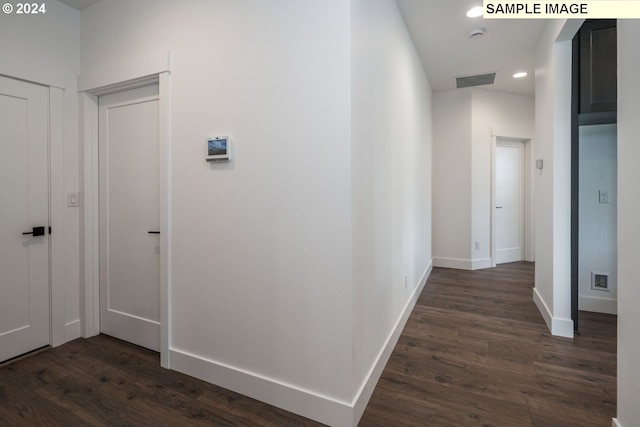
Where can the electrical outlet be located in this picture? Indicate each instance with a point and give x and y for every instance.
(477, 246)
(603, 196)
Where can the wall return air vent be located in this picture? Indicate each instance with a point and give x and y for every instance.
(600, 281)
(478, 80)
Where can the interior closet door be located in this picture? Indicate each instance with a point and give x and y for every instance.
(24, 218)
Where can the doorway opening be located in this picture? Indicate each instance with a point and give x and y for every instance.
(594, 171)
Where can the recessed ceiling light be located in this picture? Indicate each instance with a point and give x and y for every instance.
(475, 12)
(519, 75)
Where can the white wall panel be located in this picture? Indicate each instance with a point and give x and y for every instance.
(597, 245)
(391, 181)
(628, 226)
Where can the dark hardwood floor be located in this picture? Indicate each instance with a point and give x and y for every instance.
(475, 352)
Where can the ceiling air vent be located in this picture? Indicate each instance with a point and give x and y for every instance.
(479, 80)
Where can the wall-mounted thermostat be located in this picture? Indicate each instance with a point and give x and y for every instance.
(218, 149)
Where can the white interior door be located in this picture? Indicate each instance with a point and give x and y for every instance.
(509, 209)
(129, 217)
(24, 204)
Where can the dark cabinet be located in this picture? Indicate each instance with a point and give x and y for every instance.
(598, 69)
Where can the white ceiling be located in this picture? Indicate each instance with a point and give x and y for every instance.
(79, 4)
(440, 30)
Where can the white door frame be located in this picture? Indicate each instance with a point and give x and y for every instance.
(528, 197)
(61, 332)
(89, 121)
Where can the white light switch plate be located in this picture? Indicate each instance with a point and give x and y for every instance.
(73, 199)
(603, 196)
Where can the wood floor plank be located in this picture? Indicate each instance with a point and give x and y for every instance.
(546, 412)
(427, 400)
(27, 409)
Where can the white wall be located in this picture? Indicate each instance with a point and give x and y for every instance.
(272, 254)
(452, 179)
(391, 176)
(628, 225)
(465, 121)
(261, 266)
(597, 246)
(552, 185)
(45, 49)
(41, 48)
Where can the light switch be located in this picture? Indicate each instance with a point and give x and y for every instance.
(73, 199)
(603, 196)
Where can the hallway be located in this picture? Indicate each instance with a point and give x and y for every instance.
(475, 352)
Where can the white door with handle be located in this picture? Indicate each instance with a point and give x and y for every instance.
(509, 209)
(24, 218)
(129, 216)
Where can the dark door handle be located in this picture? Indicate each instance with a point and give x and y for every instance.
(153, 232)
(36, 231)
(498, 207)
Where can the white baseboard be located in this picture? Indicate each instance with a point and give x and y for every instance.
(269, 390)
(505, 256)
(558, 326)
(315, 406)
(598, 305)
(562, 327)
(369, 384)
(542, 308)
(459, 264)
(462, 264)
(72, 330)
(615, 423)
(478, 264)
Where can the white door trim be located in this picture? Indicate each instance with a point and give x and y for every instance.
(58, 332)
(528, 197)
(89, 121)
